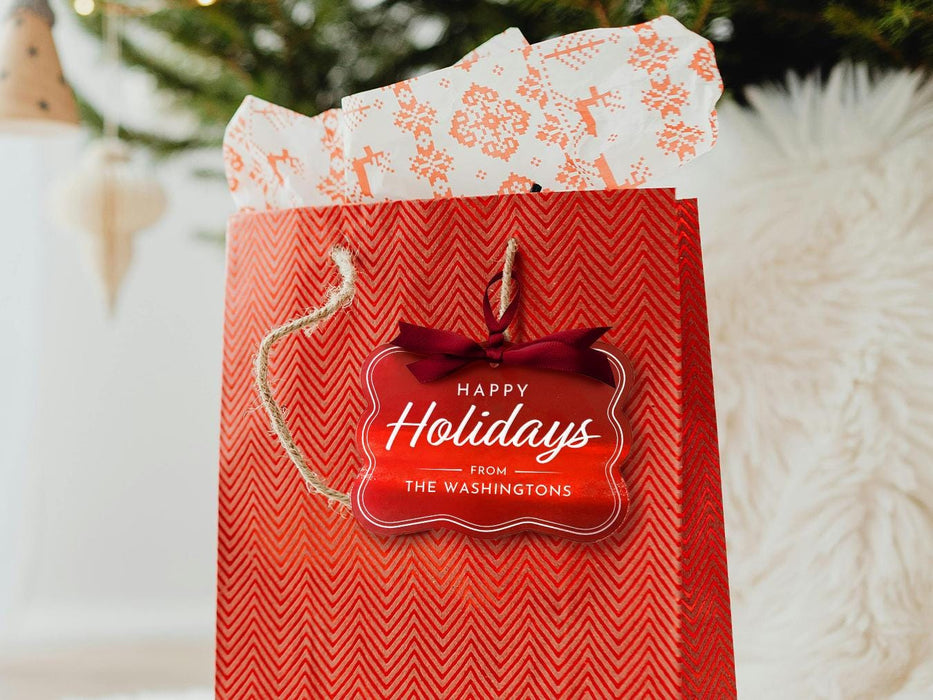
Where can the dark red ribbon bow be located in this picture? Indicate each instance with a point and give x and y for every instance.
(447, 352)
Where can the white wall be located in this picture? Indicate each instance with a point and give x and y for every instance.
(20, 251)
(108, 426)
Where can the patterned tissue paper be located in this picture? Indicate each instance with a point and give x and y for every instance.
(598, 109)
(276, 158)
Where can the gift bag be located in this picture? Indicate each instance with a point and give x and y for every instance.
(311, 604)
(471, 555)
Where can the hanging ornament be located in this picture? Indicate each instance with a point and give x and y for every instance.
(34, 95)
(109, 199)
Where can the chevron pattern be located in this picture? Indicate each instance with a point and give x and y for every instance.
(706, 620)
(310, 605)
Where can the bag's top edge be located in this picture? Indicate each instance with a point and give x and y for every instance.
(440, 201)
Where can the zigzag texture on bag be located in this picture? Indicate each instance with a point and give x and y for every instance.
(311, 605)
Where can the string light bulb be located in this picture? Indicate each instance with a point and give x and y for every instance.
(84, 7)
(206, 3)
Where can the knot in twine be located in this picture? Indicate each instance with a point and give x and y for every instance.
(338, 298)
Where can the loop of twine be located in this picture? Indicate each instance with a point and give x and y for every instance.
(337, 298)
(505, 291)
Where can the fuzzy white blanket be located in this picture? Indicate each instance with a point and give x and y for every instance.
(817, 216)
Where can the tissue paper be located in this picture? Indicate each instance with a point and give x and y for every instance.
(276, 158)
(599, 109)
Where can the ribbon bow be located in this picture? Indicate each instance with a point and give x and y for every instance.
(447, 352)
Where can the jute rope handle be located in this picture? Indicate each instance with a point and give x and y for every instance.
(337, 298)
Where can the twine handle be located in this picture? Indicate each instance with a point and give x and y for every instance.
(505, 291)
(337, 298)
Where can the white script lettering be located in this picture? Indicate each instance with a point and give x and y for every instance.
(506, 432)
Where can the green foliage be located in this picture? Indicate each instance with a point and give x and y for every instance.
(307, 54)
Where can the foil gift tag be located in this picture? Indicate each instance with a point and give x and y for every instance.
(496, 438)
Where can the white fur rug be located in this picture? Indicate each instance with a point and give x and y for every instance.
(817, 217)
(817, 214)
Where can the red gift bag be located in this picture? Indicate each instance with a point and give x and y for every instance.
(310, 604)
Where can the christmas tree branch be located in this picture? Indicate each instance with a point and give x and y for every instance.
(702, 13)
(160, 146)
(306, 55)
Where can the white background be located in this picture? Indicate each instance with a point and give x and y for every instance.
(108, 425)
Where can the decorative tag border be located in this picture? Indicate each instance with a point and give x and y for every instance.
(446, 521)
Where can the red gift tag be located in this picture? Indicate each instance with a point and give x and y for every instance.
(492, 450)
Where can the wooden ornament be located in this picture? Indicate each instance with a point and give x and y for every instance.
(34, 95)
(108, 198)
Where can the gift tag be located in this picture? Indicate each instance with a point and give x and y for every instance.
(492, 450)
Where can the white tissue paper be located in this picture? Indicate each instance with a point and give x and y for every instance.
(598, 109)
